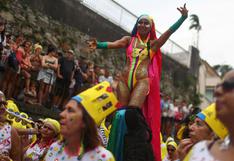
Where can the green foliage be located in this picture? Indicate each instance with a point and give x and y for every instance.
(196, 98)
(4, 5)
(195, 22)
(222, 69)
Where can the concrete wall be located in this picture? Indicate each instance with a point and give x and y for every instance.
(207, 80)
(72, 13)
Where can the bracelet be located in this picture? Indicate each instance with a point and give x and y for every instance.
(178, 23)
(102, 45)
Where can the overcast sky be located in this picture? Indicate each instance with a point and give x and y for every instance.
(216, 42)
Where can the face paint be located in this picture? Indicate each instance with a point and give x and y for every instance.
(72, 119)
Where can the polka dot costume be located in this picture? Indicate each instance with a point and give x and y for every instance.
(56, 153)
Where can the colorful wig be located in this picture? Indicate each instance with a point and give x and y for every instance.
(152, 31)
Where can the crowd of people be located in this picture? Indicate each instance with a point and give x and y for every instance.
(80, 134)
(34, 73)
(105, 118)
(75, 137)
(173, 112)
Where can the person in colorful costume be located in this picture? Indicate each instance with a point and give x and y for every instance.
(9, 140)
(79, 121)
(140, 84)
(50, 132)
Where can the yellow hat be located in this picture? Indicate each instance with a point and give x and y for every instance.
(54, 124)
(209, 116)
(99, 101)
(169, 139)
(172, 143)
(36, 46)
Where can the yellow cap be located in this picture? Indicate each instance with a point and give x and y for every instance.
(209, 116)
(36, 46)
(169, 139)
(54, 124)
(172, 143)
(99, 101)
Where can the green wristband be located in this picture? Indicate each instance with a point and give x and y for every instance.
(178, 23)
(102, 45)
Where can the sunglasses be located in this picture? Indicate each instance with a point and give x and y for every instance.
(226, 85)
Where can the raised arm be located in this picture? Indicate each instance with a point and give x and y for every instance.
(121, 43)
(156, 44)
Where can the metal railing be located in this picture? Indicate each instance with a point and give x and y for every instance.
(120, 16)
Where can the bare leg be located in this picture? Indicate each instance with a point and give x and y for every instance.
(27, 77)
(139, 93)
(123, 93)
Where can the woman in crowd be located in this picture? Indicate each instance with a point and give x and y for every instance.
(50, 132)
(205, 127)
(10, 146)
(140, 83)
(81, 141)
(26, 66)
(35, 60)
(11, 77)
(47, 74)
(219, 150)
(171, 151)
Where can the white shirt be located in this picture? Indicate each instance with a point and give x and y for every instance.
(200, 152)
(56, 153)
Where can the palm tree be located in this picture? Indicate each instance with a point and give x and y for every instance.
(195, 25)
(222, 69)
